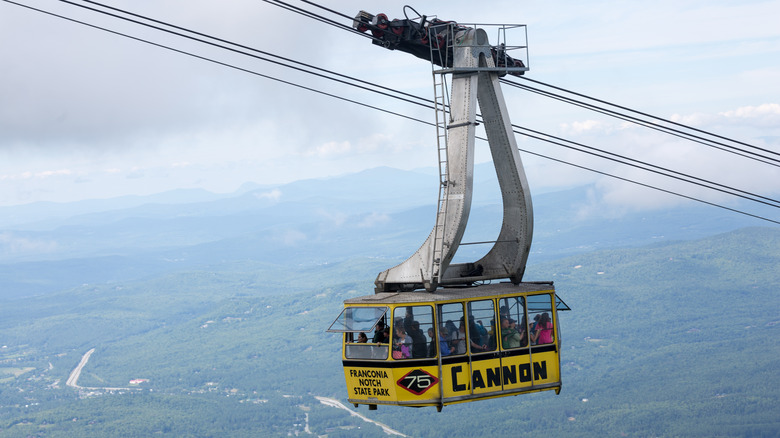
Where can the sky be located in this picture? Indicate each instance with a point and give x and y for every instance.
(87, 114)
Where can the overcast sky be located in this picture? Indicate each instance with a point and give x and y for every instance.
(88, 114)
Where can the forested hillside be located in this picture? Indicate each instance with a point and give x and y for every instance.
(674, 339)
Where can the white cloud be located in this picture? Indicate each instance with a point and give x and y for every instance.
(289, 237)
(577, 127)
(336, 218)
(273, 195)
(333, 148)
(767, 115)
(754, 125)
(374, 219)
(11, 244)
(50, 173)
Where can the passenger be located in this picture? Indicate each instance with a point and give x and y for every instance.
(443, 344)
(362, 338)
(400, 349)
(474, 339)
(483, 333)
(416, 336)
(510, 338)
(458, 338)
(522, 329)
(386, 335)
(536, 321)
(398, 322)
(379, 333)
(492, 343)
(452, 331)
(543, 332)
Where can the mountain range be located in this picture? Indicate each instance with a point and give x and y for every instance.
(382, 212)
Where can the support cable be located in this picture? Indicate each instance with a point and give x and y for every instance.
(368, 106)
(768, 151)
(622, 159)
(648, 124)
(654, 126)
(319, 18)
(293, 64)
(204, 58)
(648, 185)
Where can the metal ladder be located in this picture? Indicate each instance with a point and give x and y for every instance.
(441, 106)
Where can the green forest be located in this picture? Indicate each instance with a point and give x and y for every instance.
(673, 339)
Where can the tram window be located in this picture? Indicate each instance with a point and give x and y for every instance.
(482, 326)
(449, 317)
(514, 326)
(410, 328)
(354, 321)
(357, 319)
(541, 328)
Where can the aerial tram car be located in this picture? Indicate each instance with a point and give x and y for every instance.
(435, 333)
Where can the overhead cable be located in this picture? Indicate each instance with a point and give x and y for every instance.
(769, 151)
(669, 130)
(267, 56)
(363, 104)
(622, 159)
(655, 126)
(652, 125)
(320, 18)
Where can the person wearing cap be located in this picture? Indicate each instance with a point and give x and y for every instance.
(510, 338)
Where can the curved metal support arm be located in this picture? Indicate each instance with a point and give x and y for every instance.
(430, 266)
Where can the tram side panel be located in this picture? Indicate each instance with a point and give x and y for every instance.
(491, 366)
(371, 384)
(524, 370)
(412, 385)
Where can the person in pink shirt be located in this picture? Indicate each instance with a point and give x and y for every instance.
(543, 333)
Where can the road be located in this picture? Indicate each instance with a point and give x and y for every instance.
(76, 373)
(73, 379)
(337, 404)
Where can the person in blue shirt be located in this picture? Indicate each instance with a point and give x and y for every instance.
(444, 346)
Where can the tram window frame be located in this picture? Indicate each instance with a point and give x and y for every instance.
(445, 313)
(515, 311)
(539, 305)
(347, 323)
(423, 316)
(351, 321)
(482, 307)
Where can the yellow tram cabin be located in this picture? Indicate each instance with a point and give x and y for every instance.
(457, 345)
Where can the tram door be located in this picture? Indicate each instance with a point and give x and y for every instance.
(544, 339)
(472, 363)
(483, 345)
(455, 367)
(528, 347)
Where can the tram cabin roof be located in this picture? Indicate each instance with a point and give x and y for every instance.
(452, 293)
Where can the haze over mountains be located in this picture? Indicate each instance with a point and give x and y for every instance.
(383, 212)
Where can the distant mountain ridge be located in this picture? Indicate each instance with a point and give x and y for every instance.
(384, 213)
